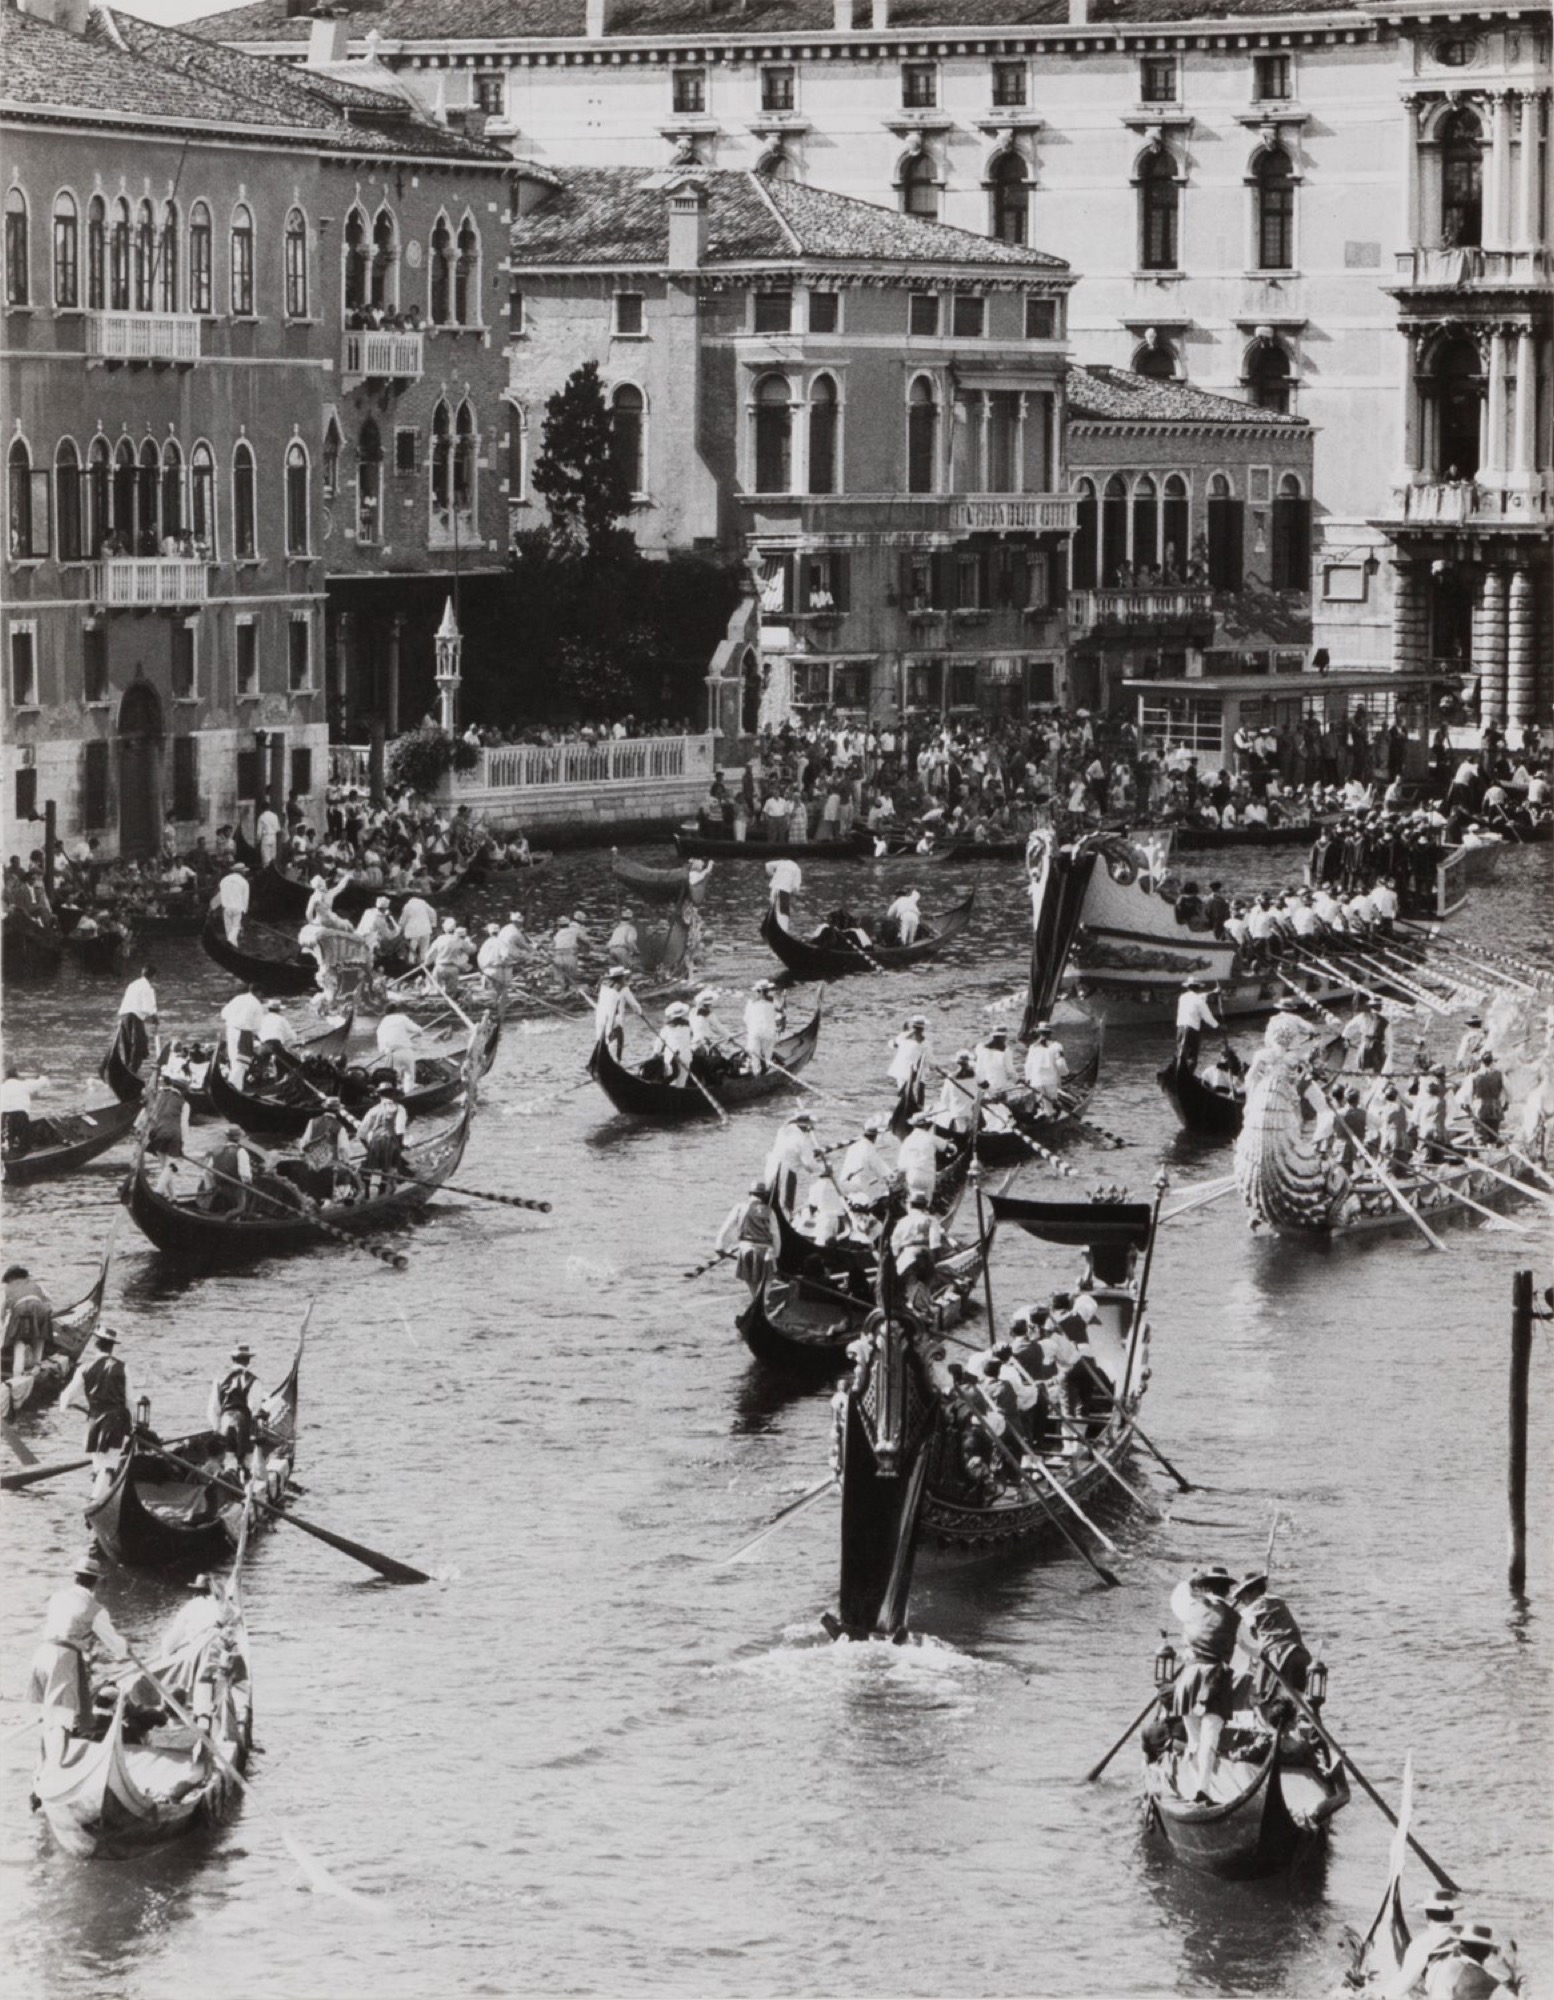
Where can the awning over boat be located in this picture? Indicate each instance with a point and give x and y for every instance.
(1120, 1225)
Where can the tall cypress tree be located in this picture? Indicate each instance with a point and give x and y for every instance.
(578, 472)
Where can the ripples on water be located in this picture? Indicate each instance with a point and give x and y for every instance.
(589, 1759)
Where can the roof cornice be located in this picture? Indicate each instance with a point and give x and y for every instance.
(293, 138)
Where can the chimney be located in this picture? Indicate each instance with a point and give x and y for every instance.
(329, 37)
(881, 14)
(71, 15)
(687, 227)
(1079, 13)
(596, 19)
(843, 16)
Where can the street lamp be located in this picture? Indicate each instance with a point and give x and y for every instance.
(449, 644)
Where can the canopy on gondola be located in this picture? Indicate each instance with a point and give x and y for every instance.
(1119, 1225)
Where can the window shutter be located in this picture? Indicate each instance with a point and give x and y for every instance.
(943, 594)
(841, 582)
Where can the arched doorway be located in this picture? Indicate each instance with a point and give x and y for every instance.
(140, 771)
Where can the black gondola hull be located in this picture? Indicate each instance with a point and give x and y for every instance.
(277, 971)
(812, 962)
(1203, 1111)
(107, 1125)
(650, 1097)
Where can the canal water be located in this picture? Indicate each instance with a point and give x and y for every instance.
(588, 1758)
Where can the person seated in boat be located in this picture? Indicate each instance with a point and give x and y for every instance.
(918, 1160)
(275, 1040)
(1201, 1696)
(382, 1135)
(709, 1057)
(865, 1172)
(1046, 1069)
(956, 1104)
(1484, 1098)
(1270, 1637)
(231, 1413)
(75, 1623)
(904, 919)
(228, 1175)
(993, 1065)
(761, 1027)
(205, 1612)
(672, 1063)
(26, 1322)
(1218, 1076)
(317, 1166)
(100, 1389)
(793, 1152)
(1188, 907)
(15, 1114)
(1387, 1128)
(1364, 1036)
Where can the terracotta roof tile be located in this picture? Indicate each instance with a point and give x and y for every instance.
(1116, 395)
(618, 215)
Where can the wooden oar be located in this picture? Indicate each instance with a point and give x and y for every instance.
(1343, 1756)
(386, 1566)
(1142, 1717)
(13, 1438)
(309, 1212)
(718, 1258)
(783, 1514)
(1392, 1187)
(1133, 1493)
(690, 1074)
(1513, 1152)
(1467, 1200)
(1215, 1192)
(13, 1482)
(1026, 1472)
(1482, 1166)
(481, 1194)
(311, 1866)
(1156, 1453)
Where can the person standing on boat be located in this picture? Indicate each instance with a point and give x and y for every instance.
(915, 1240)
(623, 941)
(793, 1152)
(231, 1410)
(1483, 1096)
(761, 1026)
(675, 1044)
(615, 1000)
(918, 1160)
(907, 916)
(784, 878)
(232, 900)
(749, 1226)
(138, 1020)
(1202, 1693)
(26, 1322)
(100, 1388)
(229, 1173)
(243, 1018)
(911, 1057)
(15, 1114)
(417, 926)
(567, 942)
(993, 1064)
(1046, 1069)
(1364, 1036)
(865, 1175)
(59, 1682)
(163, 1126)
(1473, 1043)
(1194, 1014)
(397, 1037)
(958, 1098)
(1269, 1635)
(267, 830)
(382, 1134)
(378, 927)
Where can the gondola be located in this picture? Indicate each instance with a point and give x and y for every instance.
(147, 1778)
(277, 1221)
(103, 949)
(31, 947)
(129, 1086)
(177, 917)
(57, 1146)
(1205, 1112)
(659, 885)
(1215, 839)
(641, 1096)
(1272, 1798)
(1008, 1145)
(691, 844)
(809, 961)
(969, 849)
(795, 1252)
(30, 1388)
(270, 961)
(274, 893)
(157, 1515)
(304, 1085)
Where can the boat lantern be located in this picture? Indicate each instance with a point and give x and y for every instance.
(1316, 1683)
(1165, 1664)
(143, 1413)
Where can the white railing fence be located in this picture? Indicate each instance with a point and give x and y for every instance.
(630, 760)
(151, 580)
(124, 336)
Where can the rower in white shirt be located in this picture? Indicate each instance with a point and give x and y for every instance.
(1046, 1067)
(865, 1174)
(243, 1017)
(615, 1001)
(993, 1064)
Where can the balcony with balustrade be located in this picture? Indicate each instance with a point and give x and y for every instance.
(1470, 267)
(946, 514)
(383, 354)
(150, 583)
(1157, 611)
(168, 338)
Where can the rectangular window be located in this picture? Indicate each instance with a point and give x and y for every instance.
(24, 666)
(186, 777)
(916, 580)
(777, 87)
(515, 319)
(406, 452)
(299, 653)
(242, 270)
(247, 657)
(824, 311)
(302, 772)
(489, 92)
(199, 266)
(250, 774)
(1157, 80)
(963, 684)
(94, 785)
(94, 662)
(1009, 83)
(824, 579)
(1271, 79)
(925, 684)
(185, 663)
(690, 92)
(629, 317)
(67, 269)
(27, 792)
(969, 316)
(1041, 319)
(968, 581)
(923, 313)
(919, 86)
(29, 496)
(774, 312)
(1037, 589)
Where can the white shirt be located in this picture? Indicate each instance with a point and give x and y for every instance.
(994, 1067)
(276, 1028)
(956, 1102)
(1045, 1066)
(677, 1042)
(918, 1159)
(268, 823)
(417, 918)
(396, 1031)
(864, 1174)
(139, 998)
(910, 1054)
(761, 1020)
(1193, 1011)
(233, 891)
(491, 954)
(785, 875)
(792, 1151)
(15, 1095)
(74, 1618)
(244, 1012)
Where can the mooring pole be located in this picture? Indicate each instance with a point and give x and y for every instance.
(1516, 1471)
(50, 831)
